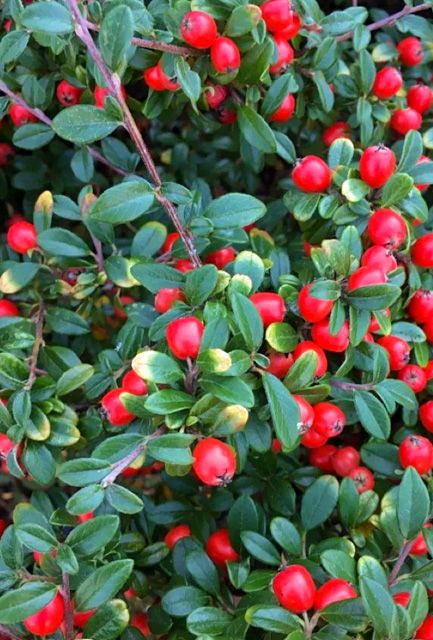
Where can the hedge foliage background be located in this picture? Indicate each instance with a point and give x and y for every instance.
(216, 320)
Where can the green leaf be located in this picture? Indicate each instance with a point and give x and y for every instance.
(284, 411)
(354, 190)
(168, 401)
(208, 620)
(74, 378)
(339, 564)
(32, 136)
(181, 601)
(149, 239)
(189, 80)
(229, 390)
(276, 93)
(271, 618)
(378, 604)
(91, 536)
(396, 188)
(203, 572)
(108, 622)
(172, 448)
(123, 500)
(286, 535)
(12, 45)
(326, 95)
(82, 124)
(256, 130)
(319, 501)
(413, 504)
(102, 585)
(18, 604)
(340, 153)
(123, 202)
(156, 367)
(242, 516)
(234, 210)
(36, 538)
(372, 415)
(200, 283)
(281, 337)
(47, 17)
(408, 331)
(374, 297)
(80, 472)
(61, 242)
(13, 372)
(158, 276)
(248, 320)
(411, 152)
(260, 548)
(64, 321)
(86, 499)
(367, 71)
(17, 276)
(115, 37)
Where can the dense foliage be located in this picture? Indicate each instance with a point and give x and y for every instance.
(216, 320)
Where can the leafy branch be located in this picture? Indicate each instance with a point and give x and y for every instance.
(114, 87)
(40, 317)
(404, 552)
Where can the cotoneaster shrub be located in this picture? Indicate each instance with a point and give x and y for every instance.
(216, 320)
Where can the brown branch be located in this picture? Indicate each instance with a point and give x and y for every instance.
(153, 44)
(404, 552)
(69, 617)
(7, 633)
(42, 117)
(114, 86)
(352, 386)
(388, 20)
(40, 317)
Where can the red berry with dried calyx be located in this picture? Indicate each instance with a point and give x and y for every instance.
(312, 175)
(214, 462)
(225, 55)
(363, 479)
(387, 228)
(67, 94)
(329, 420)
(380, 258)
(411, 51)
(398, 351)
(377, 165)
(414, 377)
(198, 29)
(416, 451)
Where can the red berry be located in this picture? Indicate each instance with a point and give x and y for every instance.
(221, 257)
(8, 308)
(284, 55)
(132, 383)
(365, 277)
(425, 631)
(277, 15)
(420, 98)
(335, 131)
(198, 29)
(20, 115)
(387, 228)
(225, 55)
(117, 414)
(426, 414)
(311, 308)
(85, 517)
(169, 242)
(402, 598)
(3, 526)
(420, 307)
(294, 588)
(306, 414)
(322, 457)
(387, 83)
(6, 444)
(276, 445)
(100, 93)
(414, 377)
(292, 29)
(322, 361)
(81, 618)
(421, 187)
(312, 439)
(184, 265)
(422, 251)
(219, 548)
(411, 51)
(285, 110)
(419, 546)
(158, 80)
(214, 462)
(416, 451)
(6, 154)
(165, 298)
(67, 94)
(312, 175)
(226, 116)
(176, 534)
(323, 337)
(398, 351)
(216, 95)
(428, 370)
(377, 165)
(139, 621)
(329, 420)
(334, 590)
(48, 619)
(22, 236)
(380, 258)
(184, 336)
(345, 460)
(279, 364)
(124, 301)
(271, 307)
(404, 120)
(363, 479)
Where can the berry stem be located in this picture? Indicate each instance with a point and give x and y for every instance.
(40, 317)
(388, 20)
(69, 618)
(124, 463)
(42, 117)
(115, 88)
(404, 552)
(352, 386)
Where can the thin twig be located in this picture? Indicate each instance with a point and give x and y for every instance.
(69, 618)
(352, 386)
(124, 463)
(388, 20)
(156, 46)
(42, 117)
(39, 338)
(114, 86)
(7, 633)
(98, 253)
(404, 552)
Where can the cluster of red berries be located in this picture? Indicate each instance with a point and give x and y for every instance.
(113, 408)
